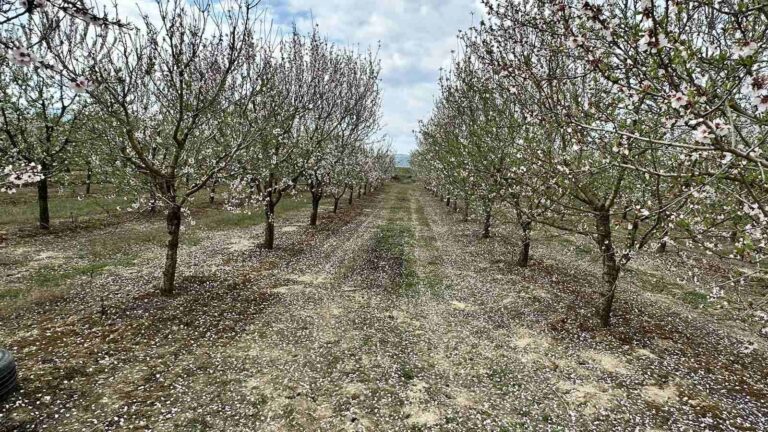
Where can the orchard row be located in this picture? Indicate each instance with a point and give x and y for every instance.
(197, 95)
(637, 124)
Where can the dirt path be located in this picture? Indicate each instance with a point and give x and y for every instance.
(411, 323)
(392, 316)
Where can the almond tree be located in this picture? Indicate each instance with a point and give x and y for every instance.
(317, 101)
(478, 135)
(349, 117)
(379, 165)
(644, 114)
(353, 173)
(31, 34)
(441, 159)
(588, 166)
(703, 67)
(169, 99)
(369, 164)
(274, 163)
(38, 131)
(40, 115)
(345, 171)
(343, 175)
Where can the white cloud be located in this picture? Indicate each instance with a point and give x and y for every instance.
(131, 10)
(416, 38)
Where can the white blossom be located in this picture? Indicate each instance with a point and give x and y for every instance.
(22, 57)
(574, 42)
(745, 49)
(679, 100)
(81, 85)
(702, 134)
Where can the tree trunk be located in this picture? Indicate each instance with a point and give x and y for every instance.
(611, 267)
(455, 206)
(663, 243)
(448, 202)
(336, 203)
(662, 248)
(316, 197)
(42, 203)
(365, 189)
(269, 224)
(466, 211)
(212, 193)
(351, 191)
(525, 247)
(88, 178)
(173, 225)
(487, 223)
(152, 202)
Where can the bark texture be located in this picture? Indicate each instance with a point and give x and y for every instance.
(525, 246)
(173, 226)
(316, 197)
(487, 223)
(269, 224)
(611, 267)
(44, 216)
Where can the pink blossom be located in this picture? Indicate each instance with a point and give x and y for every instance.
(761, 103)
(81, 85)
(652, 42)
(22, 57)
(703, 134)
(574, 42)
(679, 100)
(721, 127)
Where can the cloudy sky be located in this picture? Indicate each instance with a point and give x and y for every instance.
(415, 36)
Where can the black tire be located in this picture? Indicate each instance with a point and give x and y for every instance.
(7, 380)
(7, 385)
(6, 362)
(7, 374)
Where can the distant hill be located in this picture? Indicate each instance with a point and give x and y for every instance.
(402, 160)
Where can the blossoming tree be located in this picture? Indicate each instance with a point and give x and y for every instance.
(40, 115)
(39, 35)
(566, 134)
(701, 66)
(169, 99)
(316, 101)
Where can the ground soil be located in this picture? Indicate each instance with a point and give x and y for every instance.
(391, 315)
